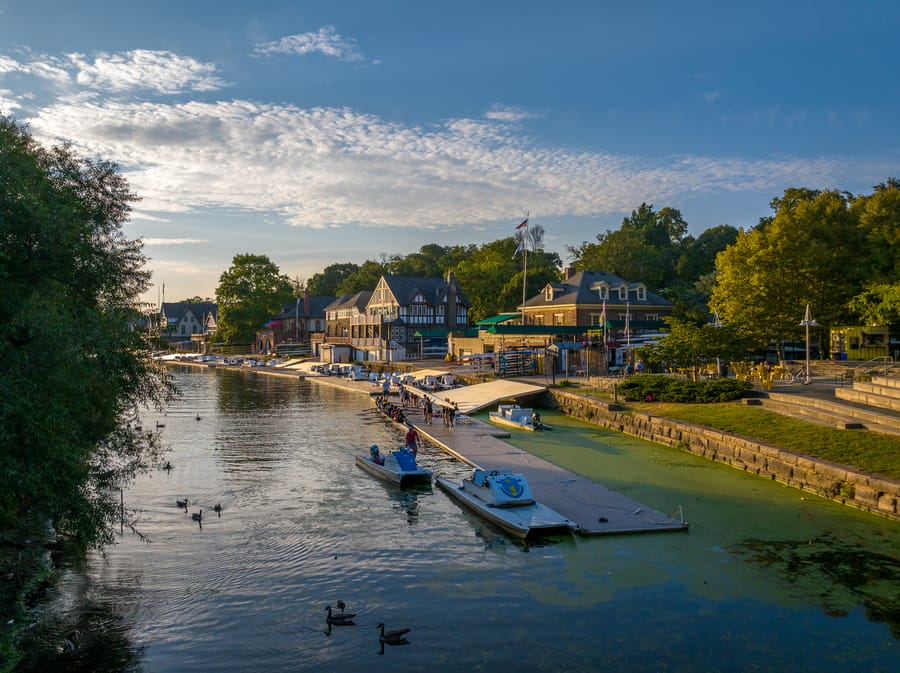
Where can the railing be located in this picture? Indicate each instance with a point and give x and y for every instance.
(864, 371)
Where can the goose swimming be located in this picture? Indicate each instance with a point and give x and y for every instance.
(393, 636)
(339, 618)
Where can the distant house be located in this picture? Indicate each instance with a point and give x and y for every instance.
(579, 298)
(393, 321)
(182, 322)
(568, 315)
(295, 325)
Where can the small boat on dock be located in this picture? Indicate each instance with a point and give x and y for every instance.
(505, 499)
(397, 467)
(514, 416)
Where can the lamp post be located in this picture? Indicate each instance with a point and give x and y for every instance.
(807, 322)
(716, 322)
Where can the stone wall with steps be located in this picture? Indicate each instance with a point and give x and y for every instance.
(881, 391)
(853, 488)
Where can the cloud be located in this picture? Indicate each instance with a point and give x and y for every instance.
(509, 114)
(325, 41)
(159, 71)
(173, 241)
(333, 167)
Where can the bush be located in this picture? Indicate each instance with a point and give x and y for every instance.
(664, 389)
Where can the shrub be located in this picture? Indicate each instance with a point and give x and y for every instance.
(665, 389)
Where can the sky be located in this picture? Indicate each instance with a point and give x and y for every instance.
(320, 132)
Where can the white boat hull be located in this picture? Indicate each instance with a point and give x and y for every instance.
(522, 521)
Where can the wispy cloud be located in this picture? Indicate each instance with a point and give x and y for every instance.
(173, 241)
(330, 167)
(325, 41)
(158, 71)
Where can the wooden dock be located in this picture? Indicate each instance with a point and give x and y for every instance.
(596, 509)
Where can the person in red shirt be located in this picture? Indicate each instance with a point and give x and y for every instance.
(412, 440)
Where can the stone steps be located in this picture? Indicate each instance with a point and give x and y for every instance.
(870, 405)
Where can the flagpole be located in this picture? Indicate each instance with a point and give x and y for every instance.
(524, 264)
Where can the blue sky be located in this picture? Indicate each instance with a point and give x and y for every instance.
(331, 131)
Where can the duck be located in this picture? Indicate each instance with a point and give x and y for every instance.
(217, 508)
(182, 503)
(197, 516)
(198, 417)
(392, 637)
(339, 618)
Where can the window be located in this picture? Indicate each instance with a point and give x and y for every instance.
(558, 319)
(642, 293)
(548, 293)
(538, 320)
(594, 320)
(623, 293)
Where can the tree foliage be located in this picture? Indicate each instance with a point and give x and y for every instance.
(71, 372)
(647, 247)
(326, 283)
(798, 257)
(249, 292)
(492, 277)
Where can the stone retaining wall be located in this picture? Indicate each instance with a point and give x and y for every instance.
(829, 480)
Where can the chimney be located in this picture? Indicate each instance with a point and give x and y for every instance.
(568, 272)
(450, 317)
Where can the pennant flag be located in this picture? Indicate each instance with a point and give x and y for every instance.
(519, 249)
(523, 223)
(627, 317)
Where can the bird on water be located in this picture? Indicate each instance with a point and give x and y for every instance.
(339, 618)
(182, 503)
(392, 637)
(197, 516)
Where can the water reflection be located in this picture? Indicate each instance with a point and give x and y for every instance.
(837, 575)
(303, 527)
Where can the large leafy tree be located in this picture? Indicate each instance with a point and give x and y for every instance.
(646, 247)
(797, 257)
(249, 292)
(71, 372)
(492, 276)
(327, 282)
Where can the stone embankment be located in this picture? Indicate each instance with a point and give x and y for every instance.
(870, 493)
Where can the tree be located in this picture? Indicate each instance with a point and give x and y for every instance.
(71, 370)
(645, 248)
(492, 277)
(878, 305)
(249, 292)
(798, 257)
(326, 282)
(689, 346)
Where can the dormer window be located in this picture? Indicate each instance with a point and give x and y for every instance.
(623, 293)
(548, 293)
(642, 293)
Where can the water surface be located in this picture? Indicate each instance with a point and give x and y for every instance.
(767, 578)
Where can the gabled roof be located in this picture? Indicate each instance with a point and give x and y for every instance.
(405, 288)
(317, 306)
(358, 301)
(582, 288)
(175, 312)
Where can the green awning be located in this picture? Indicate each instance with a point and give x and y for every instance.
(432, 333)
(494, 320)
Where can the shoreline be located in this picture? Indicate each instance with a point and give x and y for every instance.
(844, 484)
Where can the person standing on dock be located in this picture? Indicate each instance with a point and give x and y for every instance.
(428, 411)
(412, 440)
(451, 415)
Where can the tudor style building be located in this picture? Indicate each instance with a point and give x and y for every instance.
(393, 321)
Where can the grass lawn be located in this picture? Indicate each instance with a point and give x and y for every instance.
(868, 451)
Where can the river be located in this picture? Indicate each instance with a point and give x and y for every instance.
(767, 578)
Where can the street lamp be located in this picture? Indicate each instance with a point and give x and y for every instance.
(716, 322)
(807, 322)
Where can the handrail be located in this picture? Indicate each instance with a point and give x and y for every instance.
(887, 361)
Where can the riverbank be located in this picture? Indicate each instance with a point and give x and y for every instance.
(841, 483)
